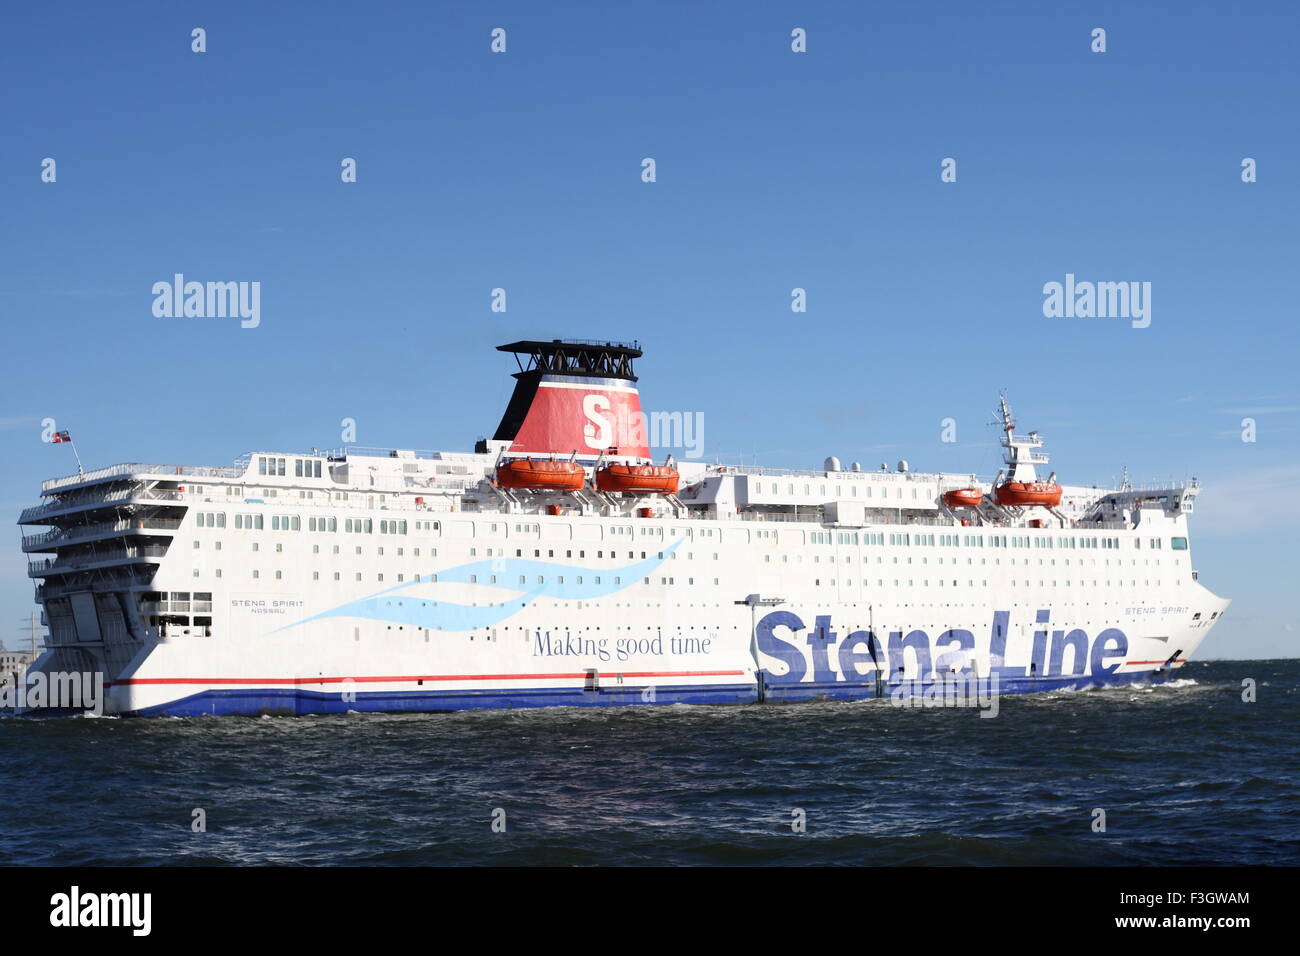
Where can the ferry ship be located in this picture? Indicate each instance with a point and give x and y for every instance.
(558, 564)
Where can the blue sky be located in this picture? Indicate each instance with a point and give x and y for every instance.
(775, 170)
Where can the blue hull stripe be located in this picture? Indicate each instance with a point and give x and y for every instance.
(254, 701)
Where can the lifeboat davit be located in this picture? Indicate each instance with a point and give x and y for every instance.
(1044, 493)
(541, 475)
(963, 498)
(638, 479)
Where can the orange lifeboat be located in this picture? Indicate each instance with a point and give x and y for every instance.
(541, 475)
(1044, 493)
(963, 498)
(638, 479)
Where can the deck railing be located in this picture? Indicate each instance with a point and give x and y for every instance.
(73, 562)
(78, 532)
(141, 468)
(123, 494)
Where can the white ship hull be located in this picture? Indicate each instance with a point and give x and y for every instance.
(404, 581)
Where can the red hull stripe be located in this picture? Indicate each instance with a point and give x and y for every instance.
(577, 675)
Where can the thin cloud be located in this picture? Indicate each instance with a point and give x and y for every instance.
(1263, 410)
(88, 292)
(1247, 502)
(1236, 432)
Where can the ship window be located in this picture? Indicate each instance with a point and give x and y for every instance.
(1178, 544)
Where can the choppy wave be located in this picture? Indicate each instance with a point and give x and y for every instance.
(1186, 773)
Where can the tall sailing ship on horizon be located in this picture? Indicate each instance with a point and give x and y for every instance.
(557, 564)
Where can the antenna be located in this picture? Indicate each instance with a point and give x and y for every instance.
(1002, 416)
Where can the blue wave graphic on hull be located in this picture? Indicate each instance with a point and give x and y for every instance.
(390, 606)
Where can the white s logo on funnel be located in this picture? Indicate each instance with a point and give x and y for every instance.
(597, 430)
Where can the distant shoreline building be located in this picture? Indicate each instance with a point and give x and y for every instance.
(13, 665)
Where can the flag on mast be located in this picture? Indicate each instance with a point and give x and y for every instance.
(66, 436)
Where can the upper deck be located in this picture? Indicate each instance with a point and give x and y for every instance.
(422, 480)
